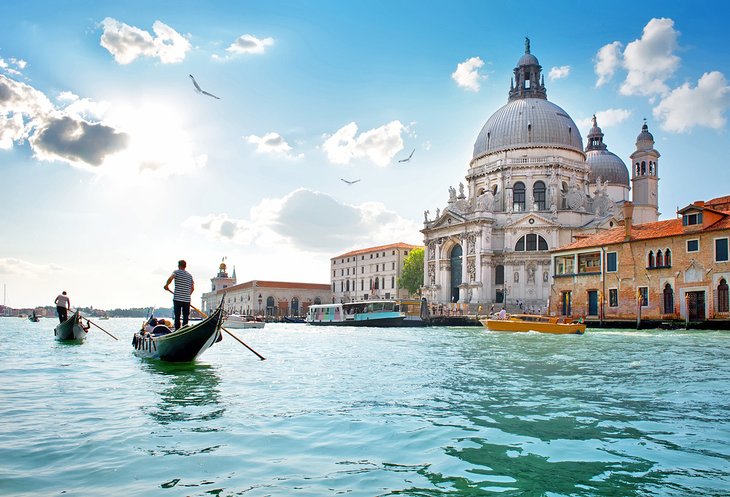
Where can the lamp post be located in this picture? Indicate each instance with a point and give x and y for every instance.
(260, 300)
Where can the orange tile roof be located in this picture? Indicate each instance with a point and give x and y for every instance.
(399, 245)
(277, 284)
(647, 231)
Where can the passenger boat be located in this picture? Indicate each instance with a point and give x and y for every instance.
(238, 321)
(529, 322)
(377, 313)
(159, 341)
(72, 329)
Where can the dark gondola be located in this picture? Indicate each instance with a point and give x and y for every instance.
(182, 345)
(71, 329)
(34, 318)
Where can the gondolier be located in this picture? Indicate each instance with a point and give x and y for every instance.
(184, 287)
(63, 304)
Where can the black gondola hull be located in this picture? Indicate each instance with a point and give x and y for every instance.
(182, 345)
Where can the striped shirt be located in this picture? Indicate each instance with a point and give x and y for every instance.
(183, 285)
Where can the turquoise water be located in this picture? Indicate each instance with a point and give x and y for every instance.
(367, 412)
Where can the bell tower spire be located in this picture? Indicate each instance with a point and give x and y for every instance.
(645, 178)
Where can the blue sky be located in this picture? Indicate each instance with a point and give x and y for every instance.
(113, 168)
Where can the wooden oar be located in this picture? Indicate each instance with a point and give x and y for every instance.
(102, 329)
(224, 329)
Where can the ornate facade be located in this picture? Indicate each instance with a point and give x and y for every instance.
(531, 187)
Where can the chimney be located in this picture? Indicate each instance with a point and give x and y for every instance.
(628, 214)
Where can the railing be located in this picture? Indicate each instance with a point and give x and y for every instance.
(562, 161)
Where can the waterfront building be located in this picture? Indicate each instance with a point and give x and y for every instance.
(370, 273)
(666, 270)
(275, 299)
(531, 187)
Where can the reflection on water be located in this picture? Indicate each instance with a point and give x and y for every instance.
(189, 392)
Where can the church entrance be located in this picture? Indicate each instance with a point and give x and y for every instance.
(456, 254)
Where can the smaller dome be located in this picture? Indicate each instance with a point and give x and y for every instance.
(607, 166)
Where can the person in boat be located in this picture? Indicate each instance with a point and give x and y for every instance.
(184, 287)
(63, 305)
(502, 314)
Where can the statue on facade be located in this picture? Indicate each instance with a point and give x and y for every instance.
(425, 216)
(461, 190)
(438, 213)
(531, 274)
(452, 194)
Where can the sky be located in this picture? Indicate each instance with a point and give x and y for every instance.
(112, 167)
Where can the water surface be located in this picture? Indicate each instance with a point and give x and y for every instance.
(367, 412)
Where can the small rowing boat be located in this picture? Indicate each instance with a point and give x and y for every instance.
(541, 324)
(72, 329)
(159, 341)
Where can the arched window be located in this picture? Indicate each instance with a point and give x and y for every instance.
(722, 297)
(667, 258)
(538, 193)
(659, 259)
(499, 275)
(317, 301)
(518, 197)
(643, 168)
(531, 243)
(564, 195)
(668, 299)
(651, 261)
(638, 169)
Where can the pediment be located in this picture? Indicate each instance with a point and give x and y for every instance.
(448, 219)
(532, 220)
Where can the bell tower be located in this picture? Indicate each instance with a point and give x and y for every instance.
(645, 178)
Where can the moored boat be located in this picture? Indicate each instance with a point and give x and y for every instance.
(377, 313)
(72, 329)
(529, 322)
(239, 321)
(158, 341)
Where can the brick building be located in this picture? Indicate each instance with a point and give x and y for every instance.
(665, 270)
(369, 273)
(262, 297)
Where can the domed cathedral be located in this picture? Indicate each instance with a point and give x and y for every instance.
(531, 187)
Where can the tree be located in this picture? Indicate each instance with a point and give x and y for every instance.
(411, 277)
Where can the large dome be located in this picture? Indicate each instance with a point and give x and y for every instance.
(528, 123)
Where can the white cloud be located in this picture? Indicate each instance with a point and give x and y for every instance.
(608, 59)
(650, 60)
(310, 221)
(246, 44)
(559, 73)
(379, 144)
(272, 143)
(11, 265)
(467, 74)
(704, 105)
(606, 118)
(13, 66)
(126, 43)
(96, 136)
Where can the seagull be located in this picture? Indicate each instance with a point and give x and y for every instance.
(200, 90)
(349, 182)
(409, 157)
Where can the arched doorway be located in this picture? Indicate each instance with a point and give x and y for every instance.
(456, 261)
(294, 306)
(270, 306)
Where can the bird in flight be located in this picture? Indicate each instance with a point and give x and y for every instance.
(200, 90)
(409, 157)
(350, 182)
